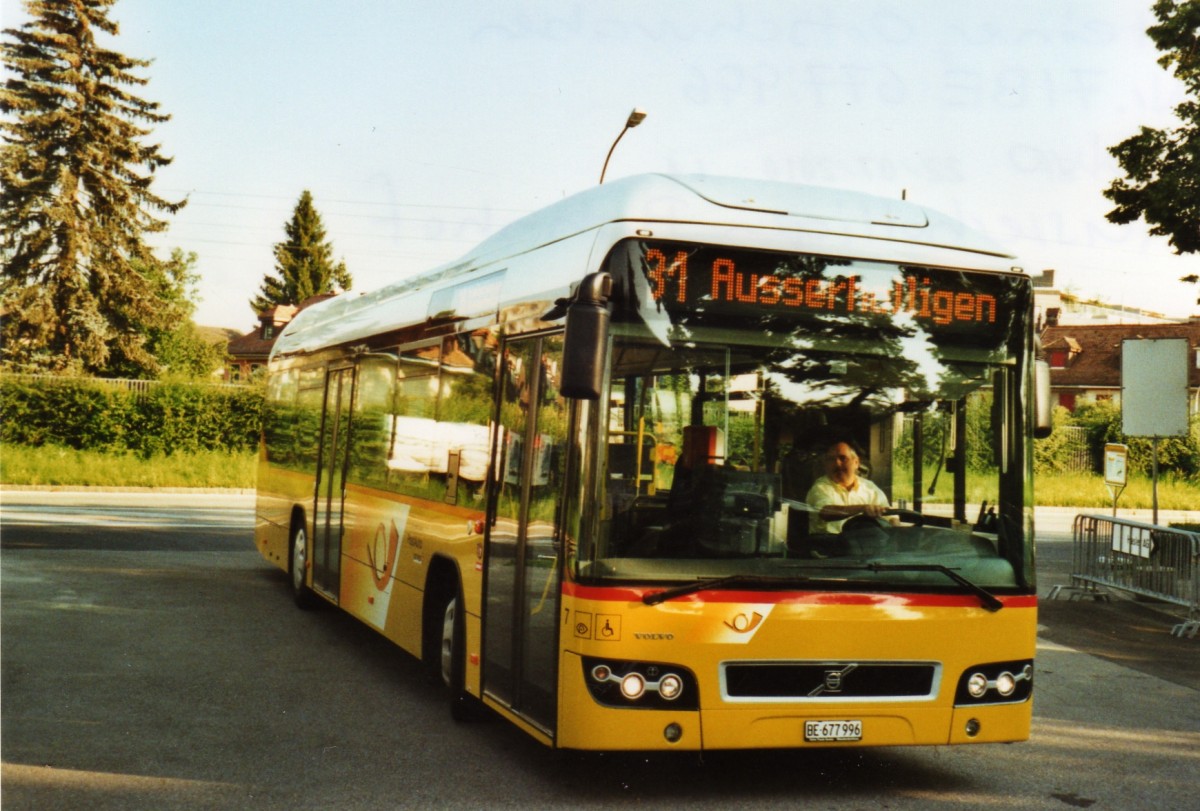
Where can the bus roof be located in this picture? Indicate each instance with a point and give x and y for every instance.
(719, 200)
(652, 198)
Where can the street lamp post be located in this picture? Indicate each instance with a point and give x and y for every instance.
(634, 119)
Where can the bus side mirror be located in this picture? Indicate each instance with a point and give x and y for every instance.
(586, 339)
(1043, 411)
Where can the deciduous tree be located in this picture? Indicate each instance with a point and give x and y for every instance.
(178, 346)
(1162, 166)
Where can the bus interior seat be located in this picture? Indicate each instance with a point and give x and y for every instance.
(722, 511)
(623, 461)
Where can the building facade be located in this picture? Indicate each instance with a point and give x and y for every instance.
(1085, 360)
(249, 352)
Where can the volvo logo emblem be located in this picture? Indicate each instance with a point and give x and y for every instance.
(834, 680)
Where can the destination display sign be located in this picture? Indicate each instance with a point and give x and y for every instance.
(703, 279)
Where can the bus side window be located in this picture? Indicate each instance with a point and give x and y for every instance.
(410, 457)
(280, 416)
(464, 413)
(439, 420)
(310, 400)
(372, 427)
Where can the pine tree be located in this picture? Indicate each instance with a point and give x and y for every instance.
(75, 195)
(303, 262)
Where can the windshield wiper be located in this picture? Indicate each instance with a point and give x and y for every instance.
(717, 583)
(990, 601)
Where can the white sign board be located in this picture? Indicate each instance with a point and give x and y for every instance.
(1154, 399)
(1134, 541)
(1115, 459)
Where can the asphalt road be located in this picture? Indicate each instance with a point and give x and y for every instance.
(151, 659)
(1128, 632)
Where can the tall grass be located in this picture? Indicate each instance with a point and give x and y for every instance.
(1063, 490)
(1088, 490)
(49, 466)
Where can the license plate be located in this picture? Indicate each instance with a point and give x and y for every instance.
(816, 731)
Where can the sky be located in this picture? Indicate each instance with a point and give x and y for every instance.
(421, 128)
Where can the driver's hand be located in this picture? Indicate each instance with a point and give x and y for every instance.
(873, 510)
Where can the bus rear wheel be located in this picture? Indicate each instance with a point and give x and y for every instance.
(297, 566)
(453, 656)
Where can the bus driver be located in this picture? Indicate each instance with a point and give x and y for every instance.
(841, 493)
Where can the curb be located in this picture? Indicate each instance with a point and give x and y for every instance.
(84, 489)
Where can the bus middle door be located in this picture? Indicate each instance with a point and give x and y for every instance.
(331, 483)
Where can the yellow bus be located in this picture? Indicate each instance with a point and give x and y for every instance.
(574, 471)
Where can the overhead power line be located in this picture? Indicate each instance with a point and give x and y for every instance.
(324, 201)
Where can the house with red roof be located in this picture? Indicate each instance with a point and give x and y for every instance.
(1085, 360)
(249, 352)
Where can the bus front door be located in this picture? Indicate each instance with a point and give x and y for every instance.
(523, 563)
(331, 488)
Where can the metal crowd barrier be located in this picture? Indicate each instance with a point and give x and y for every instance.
(1142, 559)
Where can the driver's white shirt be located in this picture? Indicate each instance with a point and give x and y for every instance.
(826, 491)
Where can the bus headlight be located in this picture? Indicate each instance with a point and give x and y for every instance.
(996, 683)
(670, 686)
(643, 685)
(633, 685)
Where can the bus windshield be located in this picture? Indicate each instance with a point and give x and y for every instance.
(739, 373)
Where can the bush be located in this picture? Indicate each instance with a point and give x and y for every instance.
(1055, 453)
(183, 417)
(1180, 455)
(168, 418)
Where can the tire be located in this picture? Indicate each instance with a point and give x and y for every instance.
(452, 661)
(297, 566)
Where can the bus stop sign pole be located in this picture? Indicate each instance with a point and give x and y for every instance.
(1116, 458)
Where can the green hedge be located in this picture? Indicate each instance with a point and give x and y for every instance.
(1103, 422)
(168, 417)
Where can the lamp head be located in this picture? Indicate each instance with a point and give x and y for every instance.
(636, 117)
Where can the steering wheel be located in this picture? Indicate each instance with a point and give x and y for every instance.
(862, 521)
(907, 516)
